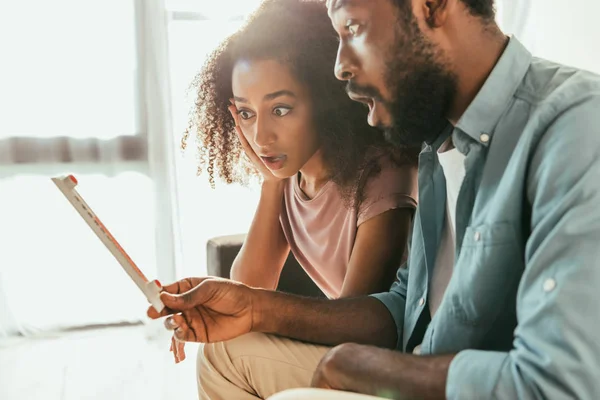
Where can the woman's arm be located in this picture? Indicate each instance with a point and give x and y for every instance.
(260, 261)
(377, 253)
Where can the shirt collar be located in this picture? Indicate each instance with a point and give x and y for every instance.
(484, 112)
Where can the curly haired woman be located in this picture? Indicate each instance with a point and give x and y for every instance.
(332, 190)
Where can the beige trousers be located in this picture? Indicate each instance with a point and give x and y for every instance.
(258, 366)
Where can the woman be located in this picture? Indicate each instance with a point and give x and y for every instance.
(332, 191)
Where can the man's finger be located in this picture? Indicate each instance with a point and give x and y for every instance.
(152, 313)
(190, 299)
(183, 285)
(179, 349)
(174, 322)
(183, 334)
(179, 287)
(174, 349)
(173, 288)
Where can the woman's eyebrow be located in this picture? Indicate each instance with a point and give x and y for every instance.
(270, 96)
(279, 93)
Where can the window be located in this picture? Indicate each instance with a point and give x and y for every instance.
(72, 101)
(89, 89)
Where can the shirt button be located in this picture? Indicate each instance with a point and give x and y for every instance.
(549, 285)
(484, 137)
(477, 236)
(421, 302)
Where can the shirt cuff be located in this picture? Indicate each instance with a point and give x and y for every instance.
(395, 305)
(474, 374)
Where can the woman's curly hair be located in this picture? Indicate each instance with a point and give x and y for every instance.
(298, 33)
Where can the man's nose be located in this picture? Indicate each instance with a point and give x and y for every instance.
(345, 65)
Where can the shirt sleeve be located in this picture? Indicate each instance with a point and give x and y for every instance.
(395, 302)
(395, 186)
(395, 299)
(556, 351)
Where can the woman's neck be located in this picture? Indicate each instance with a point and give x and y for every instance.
(313, 175)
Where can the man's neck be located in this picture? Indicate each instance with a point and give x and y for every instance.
(475, 57)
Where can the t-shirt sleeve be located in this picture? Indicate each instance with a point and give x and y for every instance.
(395, 186)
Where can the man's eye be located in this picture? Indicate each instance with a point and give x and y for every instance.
(353, 29)
(281, 111)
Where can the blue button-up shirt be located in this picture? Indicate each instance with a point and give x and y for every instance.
(522, 306)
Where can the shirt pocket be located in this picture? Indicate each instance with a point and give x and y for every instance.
(487, 273)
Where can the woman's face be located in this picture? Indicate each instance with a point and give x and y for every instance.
(275, 114)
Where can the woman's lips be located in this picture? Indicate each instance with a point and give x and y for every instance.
(274, 162)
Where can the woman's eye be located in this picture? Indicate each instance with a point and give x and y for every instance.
(245, 114)
(353, 29)
(281, 111)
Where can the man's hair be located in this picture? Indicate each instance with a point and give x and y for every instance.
(480, 8)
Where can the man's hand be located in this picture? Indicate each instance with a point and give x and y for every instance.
(206, 309)
(341, 369)
(383, 373)
(213, 310)
(178, 350)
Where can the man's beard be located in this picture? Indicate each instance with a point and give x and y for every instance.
(423, 88)
(423, 91)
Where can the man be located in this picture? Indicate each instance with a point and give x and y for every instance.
(497, 300)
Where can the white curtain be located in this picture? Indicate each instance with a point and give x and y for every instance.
(195, 29)
(85, 90)
(69, 82)
(513, 16)
(161, 151)
(563, 31)
(98, 89)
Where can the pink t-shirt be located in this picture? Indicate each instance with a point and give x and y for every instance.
(321, 231)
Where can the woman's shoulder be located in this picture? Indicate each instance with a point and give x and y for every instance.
(389, 182)
(389, 171)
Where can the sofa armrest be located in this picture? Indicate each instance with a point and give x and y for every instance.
(221, 252)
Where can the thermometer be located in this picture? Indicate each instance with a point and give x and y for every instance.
(151, 289)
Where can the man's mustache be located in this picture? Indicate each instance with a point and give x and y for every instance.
(363, 90)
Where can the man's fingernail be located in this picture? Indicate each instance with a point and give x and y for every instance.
(171, 323)
(178, 333)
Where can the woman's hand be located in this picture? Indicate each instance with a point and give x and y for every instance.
(255, 159)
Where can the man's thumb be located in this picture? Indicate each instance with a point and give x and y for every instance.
(175, 302)
(183, 301)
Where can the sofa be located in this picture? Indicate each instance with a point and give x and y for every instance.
(222, 250)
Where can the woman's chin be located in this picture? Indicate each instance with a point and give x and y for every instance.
(285, 173)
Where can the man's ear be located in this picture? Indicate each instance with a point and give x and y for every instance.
(436, 12)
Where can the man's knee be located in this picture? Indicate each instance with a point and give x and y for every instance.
(221, 356)
(319, 394)
(294, 394)
(258, 363)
